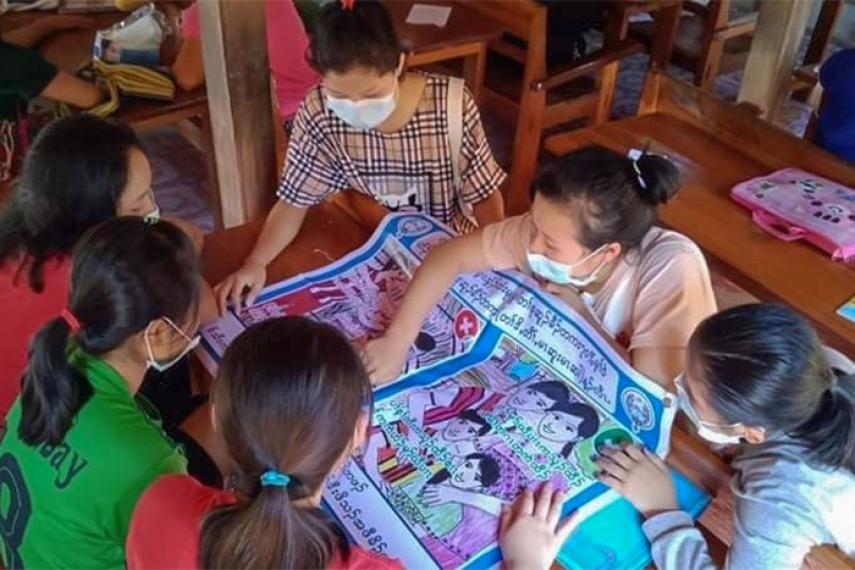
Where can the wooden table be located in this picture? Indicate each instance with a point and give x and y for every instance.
(465, 37)
(717, 145)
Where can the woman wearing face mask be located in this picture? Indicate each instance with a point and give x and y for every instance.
(79, 172)
(378, 129)
(278, 385)
(80, 445)
(590, 238)
(757, 374)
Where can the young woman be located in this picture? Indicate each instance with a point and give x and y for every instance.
(79, 172)
(757, 374)
(278, 385)
(79, 448)
(590, 238)
(376, 128)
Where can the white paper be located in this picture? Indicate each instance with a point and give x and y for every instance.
(425, 15)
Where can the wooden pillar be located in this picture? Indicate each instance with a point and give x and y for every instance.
(780, 26)
(237, 75)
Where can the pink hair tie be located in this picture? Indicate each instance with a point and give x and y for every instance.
(348, 4)
(70, 320)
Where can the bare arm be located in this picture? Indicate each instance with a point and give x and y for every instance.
(188, 69)
(490, 210)
(69, 89)
(661, 365)
(385, 356)
(282, 225)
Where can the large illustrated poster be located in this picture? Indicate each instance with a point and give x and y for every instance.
(504, 388)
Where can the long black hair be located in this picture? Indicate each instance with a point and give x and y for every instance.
(126, 273)
(588, 427)
(288, 398)
(763, 365)
(612, 202)
(487, 465)
(71, 180)
(359, 36)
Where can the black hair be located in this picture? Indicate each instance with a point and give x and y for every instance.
(288, 396)
(486, 463)
(362, 35)
(118, 286)
(610, 201)
(476, 418)
(590, 421)
(555, 390)
(71, 180)
(763, 365)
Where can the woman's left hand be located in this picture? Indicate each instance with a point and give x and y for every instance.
(641, 476)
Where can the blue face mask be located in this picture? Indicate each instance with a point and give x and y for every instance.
(562, 273)
(366, 114)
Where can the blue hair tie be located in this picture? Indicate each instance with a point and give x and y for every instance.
(273, 478)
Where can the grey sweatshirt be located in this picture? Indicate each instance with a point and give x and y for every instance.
(782, 508)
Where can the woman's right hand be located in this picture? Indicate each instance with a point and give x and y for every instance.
(250, 278)
(529, 534)
(384, 358)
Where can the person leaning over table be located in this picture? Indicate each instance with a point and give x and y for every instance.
(379, 129)
(756, 375)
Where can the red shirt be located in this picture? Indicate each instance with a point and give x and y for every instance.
(24, 312)
(164, 530)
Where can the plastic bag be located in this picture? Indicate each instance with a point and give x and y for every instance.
(135, 40)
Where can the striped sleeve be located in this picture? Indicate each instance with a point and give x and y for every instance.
(312, 172)
(480, 174)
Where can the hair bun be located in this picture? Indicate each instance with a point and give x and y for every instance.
(658, 180)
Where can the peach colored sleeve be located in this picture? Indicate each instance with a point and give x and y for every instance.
(505, 243)
(674, 295)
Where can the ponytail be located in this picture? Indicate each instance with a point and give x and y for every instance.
(117, 289)
(267, 531)
(278, 386)
(53, 391)
(612, 197)
(830, 434)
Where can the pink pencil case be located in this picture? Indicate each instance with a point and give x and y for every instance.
(792, 204)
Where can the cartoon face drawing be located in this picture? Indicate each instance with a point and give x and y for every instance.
(460, 429)
(559, 427)
(539, 396)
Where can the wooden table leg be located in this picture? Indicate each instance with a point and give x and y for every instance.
(667, 23)
(766, 80)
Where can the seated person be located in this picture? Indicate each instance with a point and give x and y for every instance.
(26, 75)
(277, 388)
(376, 128)
(81, 445)
(835, 130)
(757, 375)
(80, 172)
(591, 239)
(287, 44)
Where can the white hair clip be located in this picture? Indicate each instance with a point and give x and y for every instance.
(634, 154)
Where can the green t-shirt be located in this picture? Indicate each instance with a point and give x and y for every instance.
(69, 506)
(24, 74)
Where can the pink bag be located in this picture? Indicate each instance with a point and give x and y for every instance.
(792, 204)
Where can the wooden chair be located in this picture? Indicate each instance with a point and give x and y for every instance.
(531, 104)
(703, 40)
(806, 76)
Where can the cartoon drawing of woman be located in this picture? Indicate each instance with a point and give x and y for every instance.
(566, 424)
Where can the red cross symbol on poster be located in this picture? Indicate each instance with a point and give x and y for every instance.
(466, 325)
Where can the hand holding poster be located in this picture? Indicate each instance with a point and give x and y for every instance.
(504, 388)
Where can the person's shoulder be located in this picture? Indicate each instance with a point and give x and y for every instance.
(183, 492)
(361, 559)
(661, 248)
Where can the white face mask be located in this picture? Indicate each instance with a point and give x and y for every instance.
(164, 366)
(713, 433)
(153, 216)
(562, 273)
(365, 114)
